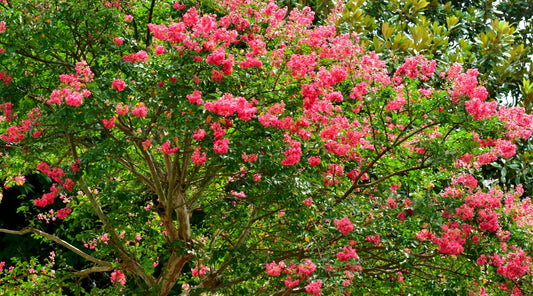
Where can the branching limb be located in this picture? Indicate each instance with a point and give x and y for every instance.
(86, 272)
(61, 242)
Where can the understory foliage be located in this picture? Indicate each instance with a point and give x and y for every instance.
(234, 148)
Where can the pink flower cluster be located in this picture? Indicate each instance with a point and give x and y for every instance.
(374, 239)
(73, 94)
(109, 123)
(56, 174)
(199, 134)
(118, 84)
(227, 105)
(249, 157)
(47, 198)
(300, 65)
(195, 97)
(140, 56)
(415, 67)
(332, 175)
(514, 265)
(221, 146)
(344, 225)
(17, 133)
(314, 288)
(122, 109)
(165, 148)
(5, 78)
(467, 180)
(198, 157)
(275, 269)
(453, 238)
(140, 110)
(63, 212)
(293, 154)
(313, 161)
(199, 270)
(347, 253)
(518, 123)
(302, 270)
(8, 108)
(118, 41)
(118, 276)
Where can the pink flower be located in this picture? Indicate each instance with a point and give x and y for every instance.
(308, 201)
(159, 50)
(347, 253)
(344, 225)
(228, 105)
(109, 123)
(146, 144)
(197, 158)
(505, 148)
(118, 276)
(118, 41)
(140, 56)
(307, 268)
(465, 212)
(257, 177)
(293, 154)
(216, 75)
(195, 97)
(64, 212)
(249, 158)
(140, 110)
(2, 26)
(179, 6)
(221, 146)
(69, 184)
(122, 109)
(289, 283)
(128, 18)
(75, 166)
(515, 264)
(74, 99)
(199, 134)
(314, 161)
(165, 148)
(274, 269)
(314, 288)
(481, 260)
(401, 216)
(199, 270)
(118, 84)
(216, 57)
(375, 239)
(5, 78)
(20, 180)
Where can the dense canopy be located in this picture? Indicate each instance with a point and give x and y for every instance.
(238, 148)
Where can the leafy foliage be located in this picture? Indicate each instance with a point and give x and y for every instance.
(237, 148)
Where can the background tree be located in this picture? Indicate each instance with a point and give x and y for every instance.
(318, 166)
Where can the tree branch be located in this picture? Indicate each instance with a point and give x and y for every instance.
(85, 272)
(59, 241)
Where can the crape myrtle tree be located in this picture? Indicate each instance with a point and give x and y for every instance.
(318, 167)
